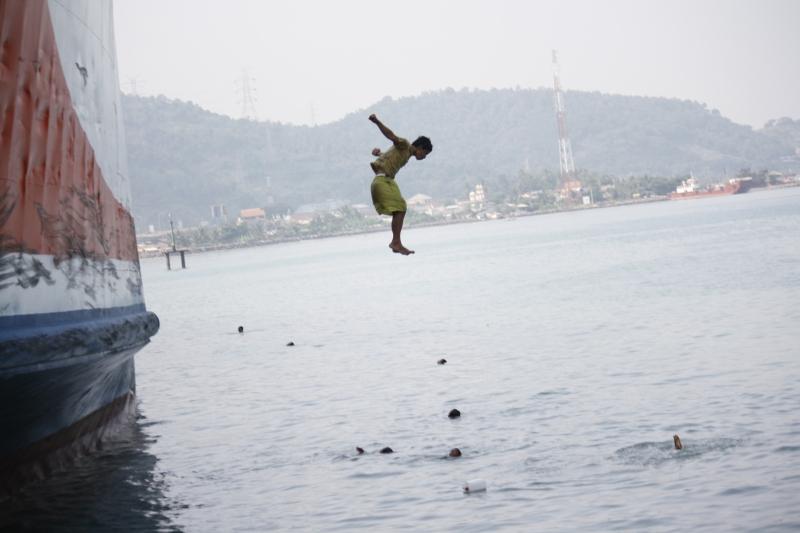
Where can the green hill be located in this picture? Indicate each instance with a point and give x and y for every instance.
(182, 159)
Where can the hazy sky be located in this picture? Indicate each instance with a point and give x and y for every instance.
(317, 60)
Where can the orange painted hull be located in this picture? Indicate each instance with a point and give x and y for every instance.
(54, 199)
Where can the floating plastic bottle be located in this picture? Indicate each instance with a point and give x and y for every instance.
(475, 485)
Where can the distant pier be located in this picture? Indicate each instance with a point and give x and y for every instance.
(182, 253)
(174, 248)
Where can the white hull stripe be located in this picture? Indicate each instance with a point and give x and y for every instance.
(84, 34)
(38, 284)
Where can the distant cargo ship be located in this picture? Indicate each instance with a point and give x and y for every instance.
(72, 312)
(690, 188)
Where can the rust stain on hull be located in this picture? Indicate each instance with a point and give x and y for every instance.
(54, 199)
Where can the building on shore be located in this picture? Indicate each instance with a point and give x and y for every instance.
(421, 203)
(477, 198)
(251, 215)
(304, 218)
(219, 214)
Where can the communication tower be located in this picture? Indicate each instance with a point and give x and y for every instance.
(246, 88)
(566, 164)
(133, 83)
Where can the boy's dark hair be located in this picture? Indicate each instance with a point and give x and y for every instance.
(424, 143)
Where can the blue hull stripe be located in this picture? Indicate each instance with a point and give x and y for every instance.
(18, 326)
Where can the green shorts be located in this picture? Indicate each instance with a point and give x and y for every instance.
(386, 196)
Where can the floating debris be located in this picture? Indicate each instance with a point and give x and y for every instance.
(475, 485)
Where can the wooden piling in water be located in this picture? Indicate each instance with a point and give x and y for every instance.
(169, 262)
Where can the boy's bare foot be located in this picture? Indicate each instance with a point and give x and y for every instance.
(400, 249)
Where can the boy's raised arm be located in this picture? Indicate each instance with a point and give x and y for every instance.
(389, 134)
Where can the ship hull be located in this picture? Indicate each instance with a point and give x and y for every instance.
(54, 415)
(727, 190)
(72, 311)
(65, 379)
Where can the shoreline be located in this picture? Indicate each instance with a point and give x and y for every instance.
(607, 205)
(250, 244)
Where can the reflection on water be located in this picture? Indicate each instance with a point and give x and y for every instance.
(117, 488)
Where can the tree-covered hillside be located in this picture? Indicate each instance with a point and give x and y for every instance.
(183, 159)
(784, 129)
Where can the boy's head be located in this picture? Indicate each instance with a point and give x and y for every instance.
(423, 147)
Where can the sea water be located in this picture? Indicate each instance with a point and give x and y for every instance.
(577, 345)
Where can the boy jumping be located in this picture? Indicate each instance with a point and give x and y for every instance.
(386, 195)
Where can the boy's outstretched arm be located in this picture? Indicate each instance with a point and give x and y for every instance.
(389, 134)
